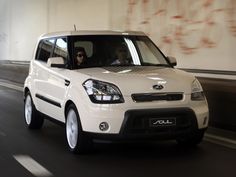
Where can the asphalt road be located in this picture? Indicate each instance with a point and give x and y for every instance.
(13, 72)
(44, 152)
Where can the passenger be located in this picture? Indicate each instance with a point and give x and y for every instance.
(81, 57)
(122, 56)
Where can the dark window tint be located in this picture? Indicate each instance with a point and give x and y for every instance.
(87, 45)
(100, 50)
(44, 49)
(60, 49)
(115, 50)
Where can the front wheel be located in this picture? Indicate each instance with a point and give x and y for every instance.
(33, 119)
(77, 140)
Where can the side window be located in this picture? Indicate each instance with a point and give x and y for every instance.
(60, 49)
(44, 49)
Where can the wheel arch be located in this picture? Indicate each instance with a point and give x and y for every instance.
(26, 90)
(68, 103)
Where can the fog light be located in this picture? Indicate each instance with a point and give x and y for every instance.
(103, 126)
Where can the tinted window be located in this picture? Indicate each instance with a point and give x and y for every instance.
(100, 50)
(113, 50)
(87, 45)
(44, 49)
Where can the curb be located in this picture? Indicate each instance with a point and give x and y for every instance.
(230, 143)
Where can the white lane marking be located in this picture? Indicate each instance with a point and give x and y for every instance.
(220, 140)
(15, 87)
(32, 166)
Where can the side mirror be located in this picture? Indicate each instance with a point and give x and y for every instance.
(57, 62)
(172, 60)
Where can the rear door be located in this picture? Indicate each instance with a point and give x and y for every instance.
(51, 83)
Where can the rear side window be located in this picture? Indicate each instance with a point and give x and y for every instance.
(44, 49)
(60, 49)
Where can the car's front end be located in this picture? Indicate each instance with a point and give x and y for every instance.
(112, 85)
(141, 102)
(141, 98)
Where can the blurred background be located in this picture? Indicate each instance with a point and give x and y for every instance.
(200, 34)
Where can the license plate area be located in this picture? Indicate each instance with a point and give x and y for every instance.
(162, 122)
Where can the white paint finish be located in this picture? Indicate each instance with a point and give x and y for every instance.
(142, 81)
(50, 82)
(32, 166)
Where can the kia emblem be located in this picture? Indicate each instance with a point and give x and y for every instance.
(157, 87)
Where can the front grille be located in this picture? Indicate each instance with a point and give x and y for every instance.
(137, 122)
(147, 97)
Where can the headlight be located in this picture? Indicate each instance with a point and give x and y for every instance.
(102, 92)
(197, 91)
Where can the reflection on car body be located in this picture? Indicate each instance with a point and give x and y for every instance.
(140, 96)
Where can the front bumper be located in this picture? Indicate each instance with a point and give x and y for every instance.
(136, 125)
(120, 116)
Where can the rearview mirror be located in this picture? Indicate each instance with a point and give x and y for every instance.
(172, 60)
(57, 62)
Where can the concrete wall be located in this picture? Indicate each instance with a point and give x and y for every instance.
(23, 21)
(200, 34)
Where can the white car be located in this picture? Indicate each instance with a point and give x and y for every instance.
(125, 88)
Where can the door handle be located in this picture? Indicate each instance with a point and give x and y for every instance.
(67, 83)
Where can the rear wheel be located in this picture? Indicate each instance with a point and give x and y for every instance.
(192, 139)
(78, 141)
(33, 119)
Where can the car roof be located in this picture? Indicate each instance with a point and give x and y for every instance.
(87, 32)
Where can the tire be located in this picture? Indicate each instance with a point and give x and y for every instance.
(192, 140)
(33, 119)
(78, 142)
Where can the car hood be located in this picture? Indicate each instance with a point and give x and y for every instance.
(142, 79)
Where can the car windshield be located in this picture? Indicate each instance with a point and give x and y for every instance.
(115, 50)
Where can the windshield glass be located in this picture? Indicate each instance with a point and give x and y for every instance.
(115, 50)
